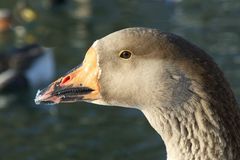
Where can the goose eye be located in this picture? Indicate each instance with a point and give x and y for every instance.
(125, 54)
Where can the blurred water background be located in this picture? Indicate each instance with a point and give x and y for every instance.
(85, 131)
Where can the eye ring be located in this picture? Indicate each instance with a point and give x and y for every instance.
(125, 54)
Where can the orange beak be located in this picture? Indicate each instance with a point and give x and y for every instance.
(80, 84)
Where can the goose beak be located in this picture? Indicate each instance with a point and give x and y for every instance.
(80, 84)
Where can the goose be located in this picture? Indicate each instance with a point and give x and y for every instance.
(176, 85)
(23, 67)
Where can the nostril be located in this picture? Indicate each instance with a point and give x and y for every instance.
(65, 79)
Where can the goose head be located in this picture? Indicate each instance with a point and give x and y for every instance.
(126, 68)
(174, 83)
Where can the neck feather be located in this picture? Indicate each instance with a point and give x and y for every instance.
(196, 130)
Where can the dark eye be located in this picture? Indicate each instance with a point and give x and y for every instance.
(125, 54)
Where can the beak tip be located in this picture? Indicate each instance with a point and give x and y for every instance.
(43, 98)
(37, 99)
